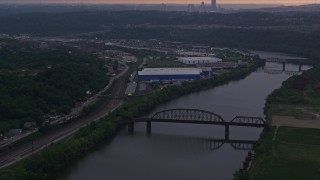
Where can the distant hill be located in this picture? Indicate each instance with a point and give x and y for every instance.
(301, 8)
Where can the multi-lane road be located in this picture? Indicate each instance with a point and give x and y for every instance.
(26, 149)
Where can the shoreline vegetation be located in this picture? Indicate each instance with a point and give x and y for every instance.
(52, 158)
(290, 152)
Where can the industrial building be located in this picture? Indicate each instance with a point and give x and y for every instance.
(198, 60)
(131, 89)
(168, 74)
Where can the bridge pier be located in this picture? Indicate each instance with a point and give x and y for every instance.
(226, 132)
(149, 127)
(131, 128)
(300, 67)
(245, 165)
(283, 66)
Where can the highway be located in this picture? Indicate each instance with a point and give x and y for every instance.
(22, 151)
(85, 34)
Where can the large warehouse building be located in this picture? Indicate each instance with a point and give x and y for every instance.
(167, 74)
(198, 60)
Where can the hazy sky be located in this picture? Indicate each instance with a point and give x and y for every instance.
(170, 1)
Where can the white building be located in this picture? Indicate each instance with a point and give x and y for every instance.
(158, 74)
(198, 60)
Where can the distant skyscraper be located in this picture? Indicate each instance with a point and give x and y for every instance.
(213, 5)
(202, 4)
(202, 7)
(163, 7)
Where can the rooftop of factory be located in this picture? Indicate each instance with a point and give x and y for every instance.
(169, 71)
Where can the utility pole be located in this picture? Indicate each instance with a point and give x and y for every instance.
(32, 139)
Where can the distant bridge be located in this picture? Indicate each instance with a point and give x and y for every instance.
(301, 62)
(283, 61)
(276, 60)
(291, 60)
(86, 34)
(195, 116)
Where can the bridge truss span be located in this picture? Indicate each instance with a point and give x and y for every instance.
(215, 144)
(188, 115)
(243, 146)
(248, 121)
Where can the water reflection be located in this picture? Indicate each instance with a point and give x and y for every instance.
(166, 142)
(159, 156)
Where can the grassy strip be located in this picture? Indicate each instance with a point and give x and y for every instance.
(55, 156)
(296, 155)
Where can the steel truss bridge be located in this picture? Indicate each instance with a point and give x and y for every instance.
(284, 61)
(196, 116)
(274, 71)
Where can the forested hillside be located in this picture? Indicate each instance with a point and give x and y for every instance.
(35, 82)
(289, 32)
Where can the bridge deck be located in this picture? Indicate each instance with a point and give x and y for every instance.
(222, 123)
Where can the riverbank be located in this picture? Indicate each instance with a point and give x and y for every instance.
(57, 155)
(288, 151)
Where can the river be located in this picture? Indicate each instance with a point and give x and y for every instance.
(183, 151)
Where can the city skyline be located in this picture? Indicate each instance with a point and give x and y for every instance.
(166, 1)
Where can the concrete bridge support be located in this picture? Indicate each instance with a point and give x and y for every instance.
(131, 128)
(149, 127)
(226, 135)
(300, 67)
